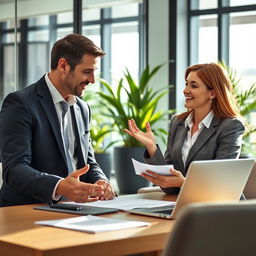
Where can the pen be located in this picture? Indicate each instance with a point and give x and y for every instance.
(66, 207)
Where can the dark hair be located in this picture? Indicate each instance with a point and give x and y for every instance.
(215, 78)
(73, 47)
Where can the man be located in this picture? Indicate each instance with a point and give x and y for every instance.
(44, 129)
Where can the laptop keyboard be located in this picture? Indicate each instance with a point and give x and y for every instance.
(168, 211)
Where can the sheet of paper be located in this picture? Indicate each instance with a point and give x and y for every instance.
(160, 169)
(93, 224)
(125, 203)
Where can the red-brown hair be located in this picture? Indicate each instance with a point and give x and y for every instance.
(214, 77)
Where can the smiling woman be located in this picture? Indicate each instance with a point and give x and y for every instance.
(209, 129)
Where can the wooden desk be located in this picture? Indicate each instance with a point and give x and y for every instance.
(20, 236)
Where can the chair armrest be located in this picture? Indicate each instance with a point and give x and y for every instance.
(149, 189)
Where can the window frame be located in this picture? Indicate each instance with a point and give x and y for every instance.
(104, 22)
(223, 12)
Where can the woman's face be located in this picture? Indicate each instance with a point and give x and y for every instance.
(197, 95)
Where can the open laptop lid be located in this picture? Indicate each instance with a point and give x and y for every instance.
(209, 181)
(213, 181)
(250, 187)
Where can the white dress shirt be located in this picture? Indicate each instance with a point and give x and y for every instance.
(190, 140)
(57, 98)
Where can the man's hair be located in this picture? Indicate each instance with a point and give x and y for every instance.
(73, 47)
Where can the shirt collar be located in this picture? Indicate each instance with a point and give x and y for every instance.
(56, 96)
(206, 121)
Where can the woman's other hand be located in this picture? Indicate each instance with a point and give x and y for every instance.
(175, 180)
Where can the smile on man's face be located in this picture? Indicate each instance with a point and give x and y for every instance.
(77, 80)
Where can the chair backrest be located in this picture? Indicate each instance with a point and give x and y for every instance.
(250, 187)
(214, 230)
(1, 170)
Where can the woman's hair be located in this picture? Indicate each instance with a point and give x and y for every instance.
(213, 76)
(73, 47)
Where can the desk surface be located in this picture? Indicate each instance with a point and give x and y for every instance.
(20, 236)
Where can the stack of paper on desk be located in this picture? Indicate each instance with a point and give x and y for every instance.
(93, 224)
(125, 203)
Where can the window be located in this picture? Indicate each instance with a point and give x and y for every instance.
(116, 30)
(35, 34)
(204, 38)
(242, 33)
(125, 54)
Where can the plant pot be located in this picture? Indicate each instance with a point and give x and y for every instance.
(104, 161)
(128, 182)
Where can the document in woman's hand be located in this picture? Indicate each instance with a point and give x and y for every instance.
(160, 169)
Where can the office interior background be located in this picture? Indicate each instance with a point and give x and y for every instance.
(133, 33)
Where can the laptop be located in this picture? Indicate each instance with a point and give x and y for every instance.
(207, 181)
(250, 187)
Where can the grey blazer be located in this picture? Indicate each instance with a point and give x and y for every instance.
(31, 146)
(222, 140)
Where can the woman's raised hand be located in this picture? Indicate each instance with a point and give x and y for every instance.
(146, 138)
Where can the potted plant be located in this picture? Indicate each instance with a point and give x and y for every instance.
(100, 134)
(138, 101)
(246, 100)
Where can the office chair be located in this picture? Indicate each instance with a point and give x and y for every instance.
(214, 230)
(1, 170)
(250, 187)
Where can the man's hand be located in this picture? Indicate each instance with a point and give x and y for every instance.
(108, 190)
(75, 190)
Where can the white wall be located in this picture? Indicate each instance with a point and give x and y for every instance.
(159, 49)
(181, 52)
(158, 46)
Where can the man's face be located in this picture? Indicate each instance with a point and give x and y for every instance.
(75, 81)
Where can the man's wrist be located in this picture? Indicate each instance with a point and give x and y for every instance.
(56, 195)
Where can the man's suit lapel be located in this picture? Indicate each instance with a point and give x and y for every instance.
(47, 104)
(82, 125)
(205, 134)
(75, 112)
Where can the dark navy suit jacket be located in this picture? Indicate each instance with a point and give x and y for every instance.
(31, 146)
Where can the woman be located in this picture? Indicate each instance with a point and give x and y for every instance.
(209, 129)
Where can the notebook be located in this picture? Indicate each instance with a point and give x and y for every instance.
(79, 210)
(207, 181)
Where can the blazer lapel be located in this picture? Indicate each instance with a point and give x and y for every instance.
(75, 112)
(47, 104)
(178, 143)
(205, 134)
(82, 122)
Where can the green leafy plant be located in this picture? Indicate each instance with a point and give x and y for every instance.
(101, 126)
(246, 100)
(138, 101)
(98, 133)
